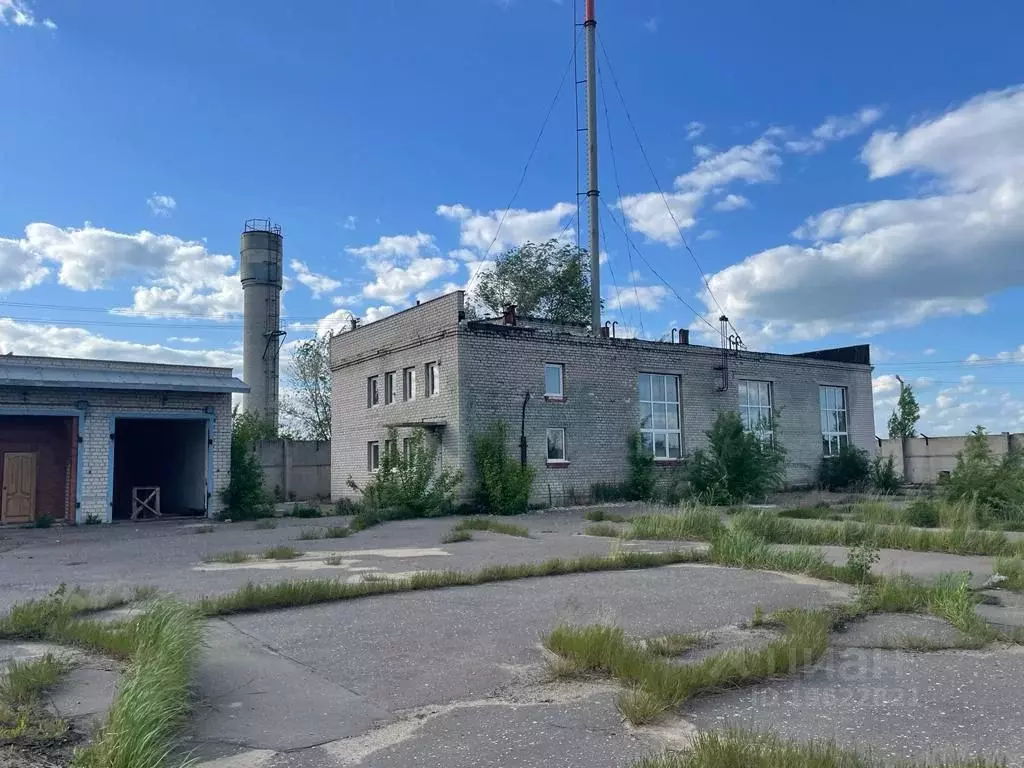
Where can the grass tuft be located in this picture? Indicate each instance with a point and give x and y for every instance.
(675, 644)
(1013, 569)
(266, 524)
(334, 560)
(455, 535)
(663, 684)
(153, 695)
(203, 529)
(281, 552)
(26, 680)
(602, 529)
(262, 597)
(604, 516)
(234, 556)
(310, 534)
(492, 525)
(697, 524)
(743, 749)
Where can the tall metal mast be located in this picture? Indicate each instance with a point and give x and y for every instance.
(590, 30)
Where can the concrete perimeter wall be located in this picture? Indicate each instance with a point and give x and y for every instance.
(923, 459)
(296, 469)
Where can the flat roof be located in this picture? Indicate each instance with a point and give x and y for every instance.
(66, 373)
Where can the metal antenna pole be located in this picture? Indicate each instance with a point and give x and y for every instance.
(590, 30)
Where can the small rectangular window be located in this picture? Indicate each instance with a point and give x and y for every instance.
(553, 380)
(835, 435)
(556, 445)
(391, 448)
(372, 392)
(407, 450)
(373, 456)
(409, 384)
(389, 388)
(433, 379)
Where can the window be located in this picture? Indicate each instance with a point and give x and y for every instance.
(372, 392)
(389, 388)
(409, 384)
(373, 456)
(834, 432)
(756, 407)
(556, 446)
(659, 415)
(391, 449)
(553, 373)
(407, 450)
(433, 380)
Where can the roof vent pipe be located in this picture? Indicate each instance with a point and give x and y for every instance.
(684, 336)
(673, 335)
(510, 314)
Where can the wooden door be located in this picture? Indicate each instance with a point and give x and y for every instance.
(19, 489)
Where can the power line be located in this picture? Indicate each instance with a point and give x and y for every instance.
(684, 302)
(618, 186)
(533, 151)
(654, 176)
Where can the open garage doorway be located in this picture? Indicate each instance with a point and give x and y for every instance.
(169, 454)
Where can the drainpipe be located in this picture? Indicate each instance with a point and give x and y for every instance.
(522, 432)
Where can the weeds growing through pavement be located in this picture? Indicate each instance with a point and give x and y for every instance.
(741, 749)
(24, 720)
(492, 525)
(602, 529)
(266, 524)
(153, 695)
(281, 552)
(675, 644)
(234, 556)
(655, 684)
(604, 516)
(455, 535)
(1013, 569)
(696, 524)
(203, 529)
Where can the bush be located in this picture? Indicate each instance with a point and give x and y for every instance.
(850, 469)
(407, 485)
(640, 485)
(922, 514)
(737, 465)
(244, 498)
(303, 511)
(603, 493)
(883, 474)
(995, 485)
(503, 485)
(44, 521)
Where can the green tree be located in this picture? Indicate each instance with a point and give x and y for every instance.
(737, 465)
(307, 407)
(549, 280)
(503, 484)
(244, 498)
(903, 422)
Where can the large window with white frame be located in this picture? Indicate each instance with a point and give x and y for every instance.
(756, 407)
(659, 415)
(373, 456)
(835, 434)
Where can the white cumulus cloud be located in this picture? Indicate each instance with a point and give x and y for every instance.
(644, 296)
(732, 202)
(891, 263)
(835, 128)
(19, 13)
(317, 283)
(477, 230)
(162, 205)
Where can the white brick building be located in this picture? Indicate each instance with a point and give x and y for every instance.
(77, 435)
(432, 367)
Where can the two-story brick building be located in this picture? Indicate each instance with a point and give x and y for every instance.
(430, 367)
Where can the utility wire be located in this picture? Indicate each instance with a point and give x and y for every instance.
(661, 191)
(533, 151)
(668, 285)
(611, 270)
(618, 187)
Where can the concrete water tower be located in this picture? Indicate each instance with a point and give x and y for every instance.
(261, 263)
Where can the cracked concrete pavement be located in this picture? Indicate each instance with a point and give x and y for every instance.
(458, 676)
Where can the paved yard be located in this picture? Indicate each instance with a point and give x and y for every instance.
(459, 677)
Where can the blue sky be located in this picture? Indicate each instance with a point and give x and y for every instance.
(844, 175)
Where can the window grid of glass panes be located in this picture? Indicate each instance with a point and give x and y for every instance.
(756, 407)
(659, 415)
(834, 431)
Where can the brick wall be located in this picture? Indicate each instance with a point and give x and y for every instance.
(95, 447)
(423, 334)
(486, 371)
(600, 410)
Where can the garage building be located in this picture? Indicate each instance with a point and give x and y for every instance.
(80, 439)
